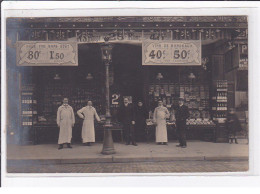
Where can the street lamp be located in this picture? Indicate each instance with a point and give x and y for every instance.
(108, 145)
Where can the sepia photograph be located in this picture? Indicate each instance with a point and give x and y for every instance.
(127, 94)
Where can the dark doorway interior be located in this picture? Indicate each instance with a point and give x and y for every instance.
(128, 70)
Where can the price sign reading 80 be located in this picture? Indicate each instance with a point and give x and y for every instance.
(172, 53)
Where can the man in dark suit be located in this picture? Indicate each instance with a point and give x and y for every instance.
(127, 118)
(182, 113)
(141, 114)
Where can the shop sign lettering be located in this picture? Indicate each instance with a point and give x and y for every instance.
(44, 53)
(137, 36)
(179, 52)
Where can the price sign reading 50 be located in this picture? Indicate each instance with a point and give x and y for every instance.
(171, 53)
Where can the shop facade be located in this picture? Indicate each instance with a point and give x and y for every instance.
(209, 89)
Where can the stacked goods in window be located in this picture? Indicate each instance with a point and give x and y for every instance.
(53, 99)
(28, 114)
(219, 109)
(78, 97)
(167, 92)
(219, 104)
(196, 98)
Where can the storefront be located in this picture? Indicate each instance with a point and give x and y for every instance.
(209, 89)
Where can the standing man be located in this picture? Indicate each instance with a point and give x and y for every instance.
(182, 113)
(141, 114)
(127, 118)
(159, 118)
(88, 113)
(65, 121)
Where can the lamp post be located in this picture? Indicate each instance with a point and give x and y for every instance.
(108, 145)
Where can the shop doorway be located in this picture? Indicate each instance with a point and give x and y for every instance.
(128, 71)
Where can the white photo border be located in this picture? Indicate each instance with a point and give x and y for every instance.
(67, 9)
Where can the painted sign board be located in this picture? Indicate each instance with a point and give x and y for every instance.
(46, 53)
(172, 53)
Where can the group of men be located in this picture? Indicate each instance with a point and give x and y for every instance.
(133, 119)
(66, 120)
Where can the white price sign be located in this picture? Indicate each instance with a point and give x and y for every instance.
(44, 53)
(179, 52)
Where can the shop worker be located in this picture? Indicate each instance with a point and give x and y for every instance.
(160, 115)
(182, 113)
(127, 118)
(65, 120)
(141, 114)
(88, 113)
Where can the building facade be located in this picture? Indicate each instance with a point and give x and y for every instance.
(210, 89)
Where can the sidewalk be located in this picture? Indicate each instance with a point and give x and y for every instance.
(144, 152)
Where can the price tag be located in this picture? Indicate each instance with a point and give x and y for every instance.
(181, 52)
(44, 53)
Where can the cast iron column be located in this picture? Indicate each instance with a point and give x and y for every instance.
(108, 145)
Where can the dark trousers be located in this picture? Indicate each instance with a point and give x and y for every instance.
(129, 131)
(140, 130)
(181, 132)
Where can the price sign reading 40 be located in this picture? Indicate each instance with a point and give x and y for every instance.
(42, 53)
(171, 53)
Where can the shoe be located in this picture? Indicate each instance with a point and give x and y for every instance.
(134, 144)
(88, 144)
(68, 145)
(179, 145)
(158, 143)
(183, 146)
(165, 143)
(60, 147)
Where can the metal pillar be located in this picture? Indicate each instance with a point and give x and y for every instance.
(108, 145)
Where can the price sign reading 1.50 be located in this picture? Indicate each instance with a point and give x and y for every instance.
(56, 55)
(177, 54)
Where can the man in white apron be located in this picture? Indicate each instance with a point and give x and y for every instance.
(159, 118)
(65, 121)
(88, 113)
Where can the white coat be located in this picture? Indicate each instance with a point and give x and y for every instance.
(65, 120)
(88, 113)
(160, 115)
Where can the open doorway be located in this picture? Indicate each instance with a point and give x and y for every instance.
(128, 71)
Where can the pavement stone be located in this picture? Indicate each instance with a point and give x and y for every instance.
(136, 167)
(144, 152)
